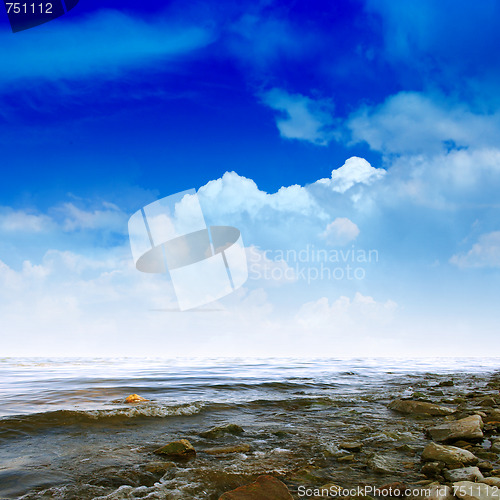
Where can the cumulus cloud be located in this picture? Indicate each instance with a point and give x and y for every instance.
(340, 232)
(484, 253)
(302, 118)
(354, 171)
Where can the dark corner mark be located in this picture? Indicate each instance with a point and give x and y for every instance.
(28, 14)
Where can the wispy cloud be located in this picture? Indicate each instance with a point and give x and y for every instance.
(102, 44)
(302, 117)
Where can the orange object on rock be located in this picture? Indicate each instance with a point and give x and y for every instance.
(134, 398)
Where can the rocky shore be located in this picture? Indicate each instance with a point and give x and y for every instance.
(457, 456)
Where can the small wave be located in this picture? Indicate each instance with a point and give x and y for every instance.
(14, 426)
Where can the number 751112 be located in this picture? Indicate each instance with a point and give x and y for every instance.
(29, 8)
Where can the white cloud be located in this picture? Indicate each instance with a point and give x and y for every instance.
(416, 123)
(304, 118)
(24, 222)
(484, 253)
(340, 232)
(345, 314)
(354, 171)
(110, 217)
(272, 272)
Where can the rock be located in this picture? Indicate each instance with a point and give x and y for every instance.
(351, 445)
(485, 466)
(495, 446)
(224, 450)
(465, 428)
(432, 492)
(446, 383)
(346, 458)
(181, 448)
(450, 455)
(493, 416)
(432, 469)
(135, 398)
(489, 401)
(329, 489)
(475, 491)
(419, 407)
(380, 465)
(219, 431)
(393, 490)
(491, 481)
(264, 488)
(463, 474)
(159, 467)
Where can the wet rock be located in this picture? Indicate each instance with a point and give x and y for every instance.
(380, 465)
(346, 458)
(450, 455)
(491, 481)
(351, 445)
(495, 446)
(419, 407)
(326, 491)
(493, 416)
(393, 490)
(264, 488)
(433, 469)
(463, 474)
(489, 401)
(135, 398)
(159, 467)
(432, 492)
(446, 383)
(217, 432)
(224, 450)
(465, 428)
(181, 448)
(468, 490)
(485, 466)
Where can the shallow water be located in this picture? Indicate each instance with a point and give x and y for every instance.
(65, 431)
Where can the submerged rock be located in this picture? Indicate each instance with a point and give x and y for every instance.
(135, 398)
(181, 448)
(463, 474)
(465, 428)
(419, 407)
(224, 450)
(351, 445)
(468, 490)
(219, 431)
(450, 455)
(380, 465)
(264, 488)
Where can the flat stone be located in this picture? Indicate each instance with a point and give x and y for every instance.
(468, 490)
(181, 448)
(264, 488)
(463, 474)
(450, 455)
(216, 432)
(224, 450)
(419, 407)
(381, 465)
(351, 445)
(465, 428)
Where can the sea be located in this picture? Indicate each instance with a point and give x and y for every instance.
(66, 431)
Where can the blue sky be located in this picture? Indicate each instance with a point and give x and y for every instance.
(335, 125)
